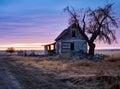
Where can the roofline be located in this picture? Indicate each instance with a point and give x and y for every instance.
(50, 44)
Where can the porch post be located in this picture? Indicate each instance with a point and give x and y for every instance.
(46, 49)
(49, 46)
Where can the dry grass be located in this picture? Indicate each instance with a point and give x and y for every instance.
(53, 65)
(108, 66)
(82, 74)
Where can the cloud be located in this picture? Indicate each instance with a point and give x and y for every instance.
(32, 23)
(31, 27)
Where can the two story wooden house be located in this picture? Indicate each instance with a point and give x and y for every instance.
(69, 43)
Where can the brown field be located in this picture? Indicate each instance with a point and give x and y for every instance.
(110, 65)
(66, 72)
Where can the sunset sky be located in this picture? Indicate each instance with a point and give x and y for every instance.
(28, 24)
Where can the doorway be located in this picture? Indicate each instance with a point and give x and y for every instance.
(72, 46)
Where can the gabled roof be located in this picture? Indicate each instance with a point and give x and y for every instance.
(62, 34)
(65, 31)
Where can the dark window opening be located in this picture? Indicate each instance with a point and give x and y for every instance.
(72, 46)
(73, 34)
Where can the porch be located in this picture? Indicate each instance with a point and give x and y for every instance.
(49, 49)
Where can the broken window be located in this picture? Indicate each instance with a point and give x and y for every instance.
(73, 33)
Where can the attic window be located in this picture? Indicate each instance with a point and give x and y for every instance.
(73, 34)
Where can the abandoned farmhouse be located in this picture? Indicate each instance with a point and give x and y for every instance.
(69, 43)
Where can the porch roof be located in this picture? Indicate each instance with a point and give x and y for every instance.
(49, 44)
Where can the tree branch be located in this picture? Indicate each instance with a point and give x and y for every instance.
(84, 24)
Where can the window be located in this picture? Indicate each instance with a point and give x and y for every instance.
(73, 34)
(72, 46)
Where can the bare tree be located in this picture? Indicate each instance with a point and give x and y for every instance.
(99, 23)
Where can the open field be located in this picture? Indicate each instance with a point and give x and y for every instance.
(110, 65)
(66, 72)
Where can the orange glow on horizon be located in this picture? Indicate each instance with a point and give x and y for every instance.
(40, 46)
(24, 46)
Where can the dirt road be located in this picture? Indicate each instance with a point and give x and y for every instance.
(7, 80)
(15, 76)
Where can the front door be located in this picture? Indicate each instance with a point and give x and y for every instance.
(72, 46)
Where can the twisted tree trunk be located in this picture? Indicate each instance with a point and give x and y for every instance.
(91, 48)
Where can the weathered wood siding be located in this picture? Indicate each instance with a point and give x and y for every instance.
(68, 35)
(63, 45)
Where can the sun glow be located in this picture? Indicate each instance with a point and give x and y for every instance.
(24, 46)
(40, 46)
